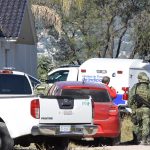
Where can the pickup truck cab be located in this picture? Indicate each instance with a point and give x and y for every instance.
(63, 73)
(105, 113)
(16, 94)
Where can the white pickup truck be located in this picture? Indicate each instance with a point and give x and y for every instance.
(24, 114)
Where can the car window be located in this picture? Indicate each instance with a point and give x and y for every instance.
(97, 95)
(58, 76)
(34, 81)
(14, 84)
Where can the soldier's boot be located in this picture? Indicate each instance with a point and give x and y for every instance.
(148, 140)
(136, 139)
(144, 141)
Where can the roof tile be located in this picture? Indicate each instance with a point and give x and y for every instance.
(11, 15)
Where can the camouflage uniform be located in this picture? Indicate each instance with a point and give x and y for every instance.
(42, 89)
(140, 114)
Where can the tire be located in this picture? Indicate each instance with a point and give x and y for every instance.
(6, 142)
(99, 141)
(115, 141)
(107, 141)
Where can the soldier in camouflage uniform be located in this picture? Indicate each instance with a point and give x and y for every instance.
(43, 88)
(140, 113)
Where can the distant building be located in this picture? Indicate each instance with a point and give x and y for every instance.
(18, 41)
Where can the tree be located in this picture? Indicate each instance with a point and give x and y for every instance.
(141, 35)
(43, 67)
(96, 28)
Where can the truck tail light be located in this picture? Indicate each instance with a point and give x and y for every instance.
(113, 110)
(35, 108)
(83, 70)
(126, 91)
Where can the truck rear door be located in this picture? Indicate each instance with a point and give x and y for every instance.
(56, 109)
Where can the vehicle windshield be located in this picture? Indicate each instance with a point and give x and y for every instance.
(97, 95)
(14, 84)
(58, 76)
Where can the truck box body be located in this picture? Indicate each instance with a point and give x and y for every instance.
(122, 72)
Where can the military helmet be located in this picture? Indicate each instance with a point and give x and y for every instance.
(142, 77)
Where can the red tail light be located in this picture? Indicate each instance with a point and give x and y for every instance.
(125, 89)
(83, 70)
(35, 108)
(113, 110)
(125, 95)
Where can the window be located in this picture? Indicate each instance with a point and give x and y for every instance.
(97, 95)
(58, 76)
(34, 81)
(14, 84)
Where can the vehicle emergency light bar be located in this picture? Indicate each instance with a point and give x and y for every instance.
(8, 68)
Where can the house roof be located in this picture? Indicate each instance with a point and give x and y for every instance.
(11, 15)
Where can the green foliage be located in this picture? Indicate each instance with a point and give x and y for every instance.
(43, 67)
(142, 34)
(97, 28)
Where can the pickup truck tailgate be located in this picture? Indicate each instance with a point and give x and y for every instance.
(65, 110)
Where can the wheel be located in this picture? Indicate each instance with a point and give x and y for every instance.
(114, 141)
(6, 142)
(99, 141)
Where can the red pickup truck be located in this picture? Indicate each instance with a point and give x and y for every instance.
(106, 114)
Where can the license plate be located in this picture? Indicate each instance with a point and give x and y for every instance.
(65, 128)
(67, 112)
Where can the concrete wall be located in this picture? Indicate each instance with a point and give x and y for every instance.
(20, 56)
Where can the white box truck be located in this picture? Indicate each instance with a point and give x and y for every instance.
(123, 74)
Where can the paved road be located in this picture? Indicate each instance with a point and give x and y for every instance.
(128, 147)
(121, 147)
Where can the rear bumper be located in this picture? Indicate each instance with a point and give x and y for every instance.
(108, 128)
(64, 130)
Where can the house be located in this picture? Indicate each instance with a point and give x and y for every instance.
(18, 41)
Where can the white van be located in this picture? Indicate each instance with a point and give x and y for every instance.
(123, 74)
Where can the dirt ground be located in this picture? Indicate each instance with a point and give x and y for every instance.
(126, 138)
